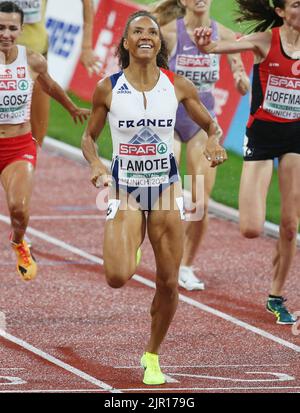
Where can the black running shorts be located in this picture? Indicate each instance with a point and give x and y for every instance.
(268, 140)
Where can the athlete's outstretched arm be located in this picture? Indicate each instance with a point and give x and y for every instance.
(187, 93)
(242, 82)
(100, 108)
(88, 57)
(38, 64)
(258, 43)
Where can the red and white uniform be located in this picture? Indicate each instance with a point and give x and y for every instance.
(16, 87)
(276, 86)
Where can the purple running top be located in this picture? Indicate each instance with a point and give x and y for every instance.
(202, 69)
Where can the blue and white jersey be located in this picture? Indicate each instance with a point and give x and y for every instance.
(143, 135)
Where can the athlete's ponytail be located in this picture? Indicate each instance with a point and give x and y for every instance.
(167, 10)
(261, 13)
(123, 54)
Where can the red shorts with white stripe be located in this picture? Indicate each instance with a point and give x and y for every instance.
(19, 148)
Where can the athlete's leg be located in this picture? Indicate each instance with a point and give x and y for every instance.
(17, 180)
(255, 181)
(39, 113)
(197, 165)
(165, 230)
(289, 172)
(122, 237)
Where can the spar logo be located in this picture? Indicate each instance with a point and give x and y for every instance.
(162, 148)
(8, 85)
(21, 72)
(193, 61)
(6, 74)
(137, 150)
(284, 82)
(23, 85)
(145, 143)
(296, 68)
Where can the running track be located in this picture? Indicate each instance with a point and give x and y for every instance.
(69, 332)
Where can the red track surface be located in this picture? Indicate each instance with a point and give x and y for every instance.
(70, 313)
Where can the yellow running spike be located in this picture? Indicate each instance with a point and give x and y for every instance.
(26, 265)
(152, 374)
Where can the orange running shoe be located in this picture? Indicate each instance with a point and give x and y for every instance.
(26, 265)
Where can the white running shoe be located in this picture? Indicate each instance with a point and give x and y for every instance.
(188, 280)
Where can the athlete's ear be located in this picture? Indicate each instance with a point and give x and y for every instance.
(125, 44)
(280, 12)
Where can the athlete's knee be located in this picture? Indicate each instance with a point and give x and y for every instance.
(116, 279)
(168, 286)
(250, 231)
(289, 228)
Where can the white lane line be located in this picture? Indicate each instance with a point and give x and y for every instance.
(205, 366)
(11, 368)
(2, 321)
(151, 284)
(55, 391)
(65, 217)
(155, 389)
(57, 362)
(163, 389)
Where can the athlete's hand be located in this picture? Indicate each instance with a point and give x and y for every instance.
(80, 114)
(91, 61)
(242, 82)
(214, 152)
(202, 37)
(100, 175)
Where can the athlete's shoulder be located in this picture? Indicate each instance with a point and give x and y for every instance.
(169, 74)
(114, 78)
(36, 61)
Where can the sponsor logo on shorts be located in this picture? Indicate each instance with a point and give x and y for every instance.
(27, 156)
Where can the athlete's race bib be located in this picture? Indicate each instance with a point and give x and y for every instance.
(282, 97)
(203, 71)
(15, 94)
(32, 10)
(144, 165)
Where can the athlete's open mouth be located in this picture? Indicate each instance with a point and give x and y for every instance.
(145, 46)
